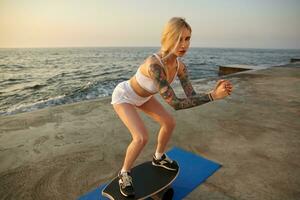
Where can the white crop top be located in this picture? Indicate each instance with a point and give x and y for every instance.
(148, 83)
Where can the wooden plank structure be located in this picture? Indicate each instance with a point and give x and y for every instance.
(295, 60)
(230, 69)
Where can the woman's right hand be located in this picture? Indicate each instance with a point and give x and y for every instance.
(222, 89)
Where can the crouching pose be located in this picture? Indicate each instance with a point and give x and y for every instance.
(155, 75)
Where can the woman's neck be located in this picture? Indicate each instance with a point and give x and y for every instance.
(168, 59)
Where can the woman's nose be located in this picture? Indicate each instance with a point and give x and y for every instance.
(183, 44)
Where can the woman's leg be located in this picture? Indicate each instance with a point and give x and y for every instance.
(133, 122)
(157, 112)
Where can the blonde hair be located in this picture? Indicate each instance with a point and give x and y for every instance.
(171, 35)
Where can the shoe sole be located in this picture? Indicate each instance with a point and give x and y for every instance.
(163, 167)
(125, 195)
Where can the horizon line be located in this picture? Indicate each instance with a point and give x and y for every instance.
(204, 47)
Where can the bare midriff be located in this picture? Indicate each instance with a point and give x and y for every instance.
(138, 89)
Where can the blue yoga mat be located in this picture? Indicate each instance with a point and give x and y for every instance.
(194, 170)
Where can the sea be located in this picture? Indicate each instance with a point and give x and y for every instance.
(36, 78)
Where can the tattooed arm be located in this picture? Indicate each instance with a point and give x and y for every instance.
(165, 90)
(185, 81)
(186, 84)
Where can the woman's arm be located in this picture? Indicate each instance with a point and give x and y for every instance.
(222, 89)
(185, 81)
(187, 85)
(165, 90)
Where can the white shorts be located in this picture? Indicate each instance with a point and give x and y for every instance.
(124, 93)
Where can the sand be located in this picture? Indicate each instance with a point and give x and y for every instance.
(65, 151)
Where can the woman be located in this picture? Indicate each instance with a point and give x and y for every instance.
(155, 76)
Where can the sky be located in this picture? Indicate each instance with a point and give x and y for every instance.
(104, 23)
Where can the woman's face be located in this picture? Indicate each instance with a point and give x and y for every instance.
(184, 43)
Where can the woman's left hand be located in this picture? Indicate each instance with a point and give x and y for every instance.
(228, 87)
(222, 89)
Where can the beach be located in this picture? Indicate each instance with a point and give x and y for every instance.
(65, 151)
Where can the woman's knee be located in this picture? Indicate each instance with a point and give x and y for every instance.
(141, 140)
(169, 122)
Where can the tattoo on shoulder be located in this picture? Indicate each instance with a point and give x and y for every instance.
(157, 72)
(159, 75)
